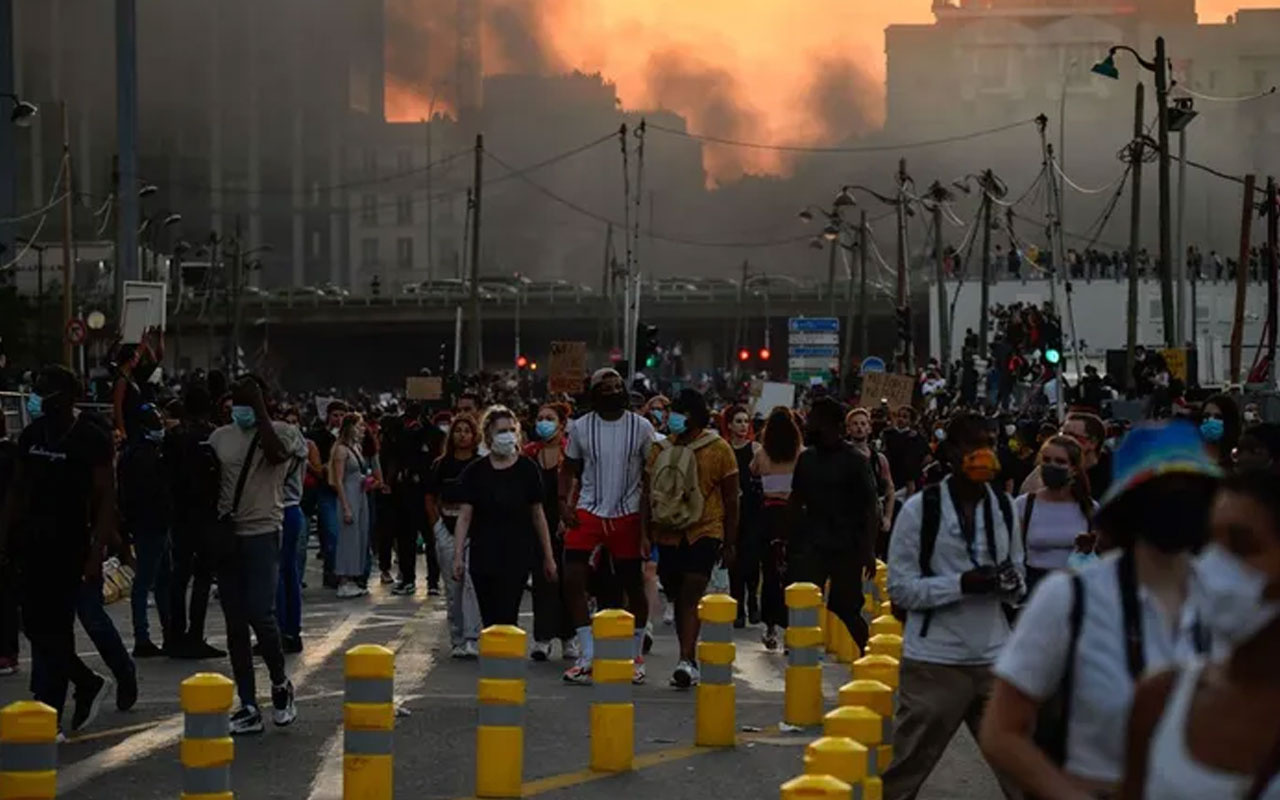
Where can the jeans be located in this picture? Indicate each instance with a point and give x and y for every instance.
(151, 548)
(247, 582)
(190, 566)
(289, 587)
(102, 631)
(408, 525)
(49, 601)
(460, 597)
(327, 525)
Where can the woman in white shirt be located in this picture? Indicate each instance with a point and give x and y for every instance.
(1056, 515)
(1064, 682)
(774, 464)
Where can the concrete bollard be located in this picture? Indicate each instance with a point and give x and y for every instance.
(803, 701)
(885, 644)
(816, 787)
(500, 691)
(29, 751)
(613, 714)
(369, 721)
(865, 727)
(716, 715)
(877, 668)
(837, 756)
(886, 623)
(206, 750)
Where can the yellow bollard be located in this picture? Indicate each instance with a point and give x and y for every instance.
(369, 721)
(837, 756)
(846, 649)
(716, 716)
(865, 727)
(501, 693)
(803, 700)
(206, 750)
(816, 787)
(886, 623)
(825, 618)
(613, 714)
(885, 644)
(872, 695)
(886, 608)
(877, 668)
(29, 751)
(882, 580)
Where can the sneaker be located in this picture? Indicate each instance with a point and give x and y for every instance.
(685, 676)
(385, 578)
(637, 673)
(433, 591)
(770, 638)
(349, 590)
(458, 651)
(283, 711)
(579, 674)
(471, 649)
(647, 644)
(8, 666)
(247, 720)
(291, 644)
(145, 648)
(669, 614)
(127, 693)
(61, 738)
(541, 651)
(403, 589)
(89, 702)
(570, 650)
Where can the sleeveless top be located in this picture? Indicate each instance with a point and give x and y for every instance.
(1172, 771)
(748, 483)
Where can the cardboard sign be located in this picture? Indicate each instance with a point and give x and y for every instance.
(895, 389)
(568, 367)
(1176, 359)
(773, 395)
(155, 293)
(135, 319)
(420, 388)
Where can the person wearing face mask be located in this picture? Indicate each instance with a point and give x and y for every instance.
(550, 615)
(656, 411)
(502, 518)
(255, 453)
(444, 504)
(1209, 728)
(1058, 513)
(955, 561)
(1065, 680)
(744, 579)
(325, 434)
(1220, 427)
(350, 475)
(146, 515)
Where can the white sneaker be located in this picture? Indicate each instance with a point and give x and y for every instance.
(458, 651)
(770, 638)
(570, 650)
(471, 649)
(349, 590)
(669, 614)
(541, 651)
(638, 672)
(685, 676)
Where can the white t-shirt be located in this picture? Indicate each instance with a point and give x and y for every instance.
(613, 456)
(1035, 658)
(1051, 532)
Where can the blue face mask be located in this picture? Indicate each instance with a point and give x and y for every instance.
(35, 406)
(677, 423)
(244, 416)
(1212, 430)
(545, 428)
(658, 415)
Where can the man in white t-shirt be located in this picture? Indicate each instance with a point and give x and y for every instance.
(606, 457)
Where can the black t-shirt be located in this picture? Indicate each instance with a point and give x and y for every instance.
(835, 491)
(444, 485)
(906, 451)
(502, 535)
(1100, 476)
(55, 517)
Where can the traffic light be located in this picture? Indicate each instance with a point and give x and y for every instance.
(744, 355)
(647, 345)
(522, 362)
(903, 317)
(1052, 355)
(764, 354)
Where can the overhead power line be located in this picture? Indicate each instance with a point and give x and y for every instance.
(875, 148)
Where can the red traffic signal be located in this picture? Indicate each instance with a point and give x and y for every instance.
(744, 354)
(764, 354)
(521, 362)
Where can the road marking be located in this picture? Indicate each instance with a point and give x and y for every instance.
(167, 731)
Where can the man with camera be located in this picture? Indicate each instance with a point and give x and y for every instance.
(955, 562)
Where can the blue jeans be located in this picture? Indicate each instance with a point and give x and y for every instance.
(102, 631)
(289, 587)
(151, 547)
(327, 522)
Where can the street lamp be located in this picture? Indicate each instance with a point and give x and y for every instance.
(23, 113)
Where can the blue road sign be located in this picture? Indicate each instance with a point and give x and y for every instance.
(814, 325)
(872, 364)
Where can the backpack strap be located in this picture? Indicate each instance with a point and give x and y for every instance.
(1134, 654)
(1006, 513)
(930, 521)
(1026, 518)
(245, 469)
(1075, 621)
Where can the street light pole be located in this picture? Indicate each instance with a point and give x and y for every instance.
(1166, 222)
(940, 274)
(1135, 235)
(1180, 252)
(831, 269)
(477, 361)
(904, 300)
(984, 313)
(68, 204)
(864, 330)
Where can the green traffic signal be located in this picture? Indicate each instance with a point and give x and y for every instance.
(651, 361)
(1052, 356)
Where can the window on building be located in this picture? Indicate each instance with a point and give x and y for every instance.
(404, 252)
(404, 160)
(369, 252)
(369, 209)
(404, 210)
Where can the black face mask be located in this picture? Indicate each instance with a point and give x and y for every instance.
(610, 402)
(1055, 476)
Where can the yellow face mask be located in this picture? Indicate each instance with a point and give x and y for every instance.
(981, 466)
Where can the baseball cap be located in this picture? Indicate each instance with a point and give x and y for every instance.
(598, 377)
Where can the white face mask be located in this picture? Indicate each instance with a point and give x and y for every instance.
(1228, 596)
(504, 443)
(1010, 430)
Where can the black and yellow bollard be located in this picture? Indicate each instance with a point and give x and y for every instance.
(206, 750)
(29, 751)
(802, 705)
(500, 691)
(369, 720)
(716, 713)
(816, 787)
(613, 714)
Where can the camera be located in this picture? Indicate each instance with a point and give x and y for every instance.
(1007, 575)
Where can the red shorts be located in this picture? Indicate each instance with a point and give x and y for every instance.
(620, 536)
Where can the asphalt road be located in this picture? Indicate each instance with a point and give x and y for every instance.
(135, 754)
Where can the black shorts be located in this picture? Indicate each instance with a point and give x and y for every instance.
(700, 557)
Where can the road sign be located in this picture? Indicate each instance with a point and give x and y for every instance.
(77, 331)
(814, 325)
(872, 364)
(813, 338)
(813, 348)
(615, 354)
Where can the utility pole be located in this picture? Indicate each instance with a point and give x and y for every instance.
(1242, 275)
(940, 276)
(1180, 247)
(8, 157)
(126, 266)
(864, 329)
(984, 313)
(1166, 224)
(477, 362)
(831, 263)
(904, 299)
(1135, 235)
(68, 204)
(846, 366)
(431, 201)
(1272, 298)
(739, 325)
(237, 285)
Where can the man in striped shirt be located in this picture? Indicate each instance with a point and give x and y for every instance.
(606, 457)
